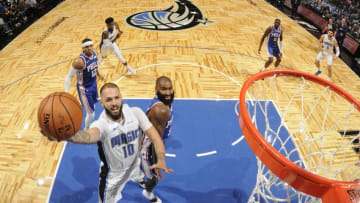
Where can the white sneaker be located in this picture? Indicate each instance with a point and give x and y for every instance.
(150, 196)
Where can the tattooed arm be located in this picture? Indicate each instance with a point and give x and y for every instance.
(89, 136)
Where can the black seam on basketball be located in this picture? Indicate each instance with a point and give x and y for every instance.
(76, 102)
(72, 122)
(52, 115)
(42, 107)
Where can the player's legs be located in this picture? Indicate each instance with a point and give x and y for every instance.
(137, 175)
(104, 51)
(329, 65)
(277, 62)
(267, 63)
(88, 104)
(270, 59)
(111, 186)
(117, 52)
(150, 184)
(318, 58)
(147, 159)
(276, 53)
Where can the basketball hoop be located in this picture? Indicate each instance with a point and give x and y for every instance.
(312, 173)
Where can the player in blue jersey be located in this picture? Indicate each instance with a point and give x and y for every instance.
(273, 33)
(160, 114)
(86, 69)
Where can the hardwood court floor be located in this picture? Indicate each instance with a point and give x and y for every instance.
(206, 61)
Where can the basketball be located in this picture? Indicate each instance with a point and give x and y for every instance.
(60, 115)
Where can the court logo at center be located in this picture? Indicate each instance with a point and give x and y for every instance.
(182, 15)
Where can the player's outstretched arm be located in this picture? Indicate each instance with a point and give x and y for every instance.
(78, 64)
(118, 28)
(89, 136)
(266, 33)
(105, 35)
(160, 151)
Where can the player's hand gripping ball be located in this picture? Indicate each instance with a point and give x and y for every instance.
(60, 116)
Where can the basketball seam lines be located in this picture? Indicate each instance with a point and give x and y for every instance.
(52, 115)
(72, 122)
(42, 108)
(76, 102)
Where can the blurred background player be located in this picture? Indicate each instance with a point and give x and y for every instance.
(273, 33)
(160, 114)
(108, 43)
(327, 43)
(86, 69)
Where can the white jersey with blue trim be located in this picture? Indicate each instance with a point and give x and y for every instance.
(121, 140)
(112, 34)
(328, 45)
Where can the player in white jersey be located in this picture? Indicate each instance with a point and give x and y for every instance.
(118, 134)
(108, 43)
(327, 43)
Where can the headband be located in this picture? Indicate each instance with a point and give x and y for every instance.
(87, 43)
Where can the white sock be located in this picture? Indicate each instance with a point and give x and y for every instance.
(89, 118)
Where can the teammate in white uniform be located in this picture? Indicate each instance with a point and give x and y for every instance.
(327, 43)
(108, 43)
(118, 133)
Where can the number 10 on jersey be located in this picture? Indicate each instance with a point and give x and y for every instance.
(128, 150)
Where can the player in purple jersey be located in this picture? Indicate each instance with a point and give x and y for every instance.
(273, 33)
(160, 114)
(86, 69)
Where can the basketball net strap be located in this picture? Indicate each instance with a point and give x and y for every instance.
(262, 95)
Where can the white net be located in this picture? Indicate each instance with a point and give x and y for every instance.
(310, 125)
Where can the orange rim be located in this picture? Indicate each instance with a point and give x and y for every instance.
(299, 178)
